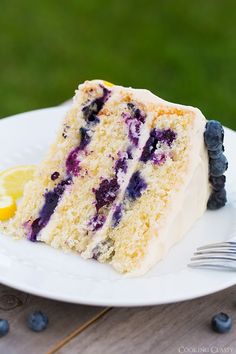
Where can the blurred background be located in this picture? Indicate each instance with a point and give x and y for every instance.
(184, 51)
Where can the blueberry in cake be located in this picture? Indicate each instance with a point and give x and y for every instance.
(127, 176)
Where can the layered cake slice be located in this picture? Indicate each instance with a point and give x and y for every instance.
(127, 176)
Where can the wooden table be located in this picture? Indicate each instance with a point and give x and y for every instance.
(176, 328)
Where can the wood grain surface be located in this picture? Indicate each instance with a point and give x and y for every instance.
(168, 329)
(176, 328)
(64, 319)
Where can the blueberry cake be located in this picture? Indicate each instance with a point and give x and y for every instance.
(127, 176)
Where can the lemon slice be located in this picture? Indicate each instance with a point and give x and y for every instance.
(7, 207)
(108, 84)
(13, 180)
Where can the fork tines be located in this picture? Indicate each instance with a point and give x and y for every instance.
(216, 255)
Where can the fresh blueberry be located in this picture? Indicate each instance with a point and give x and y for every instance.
(37, 321)
(214, 135)
(221, 323)
(215, 154)
(218, 166)
(55, 176)
(217, 183)
(4, 327)
(217, 200)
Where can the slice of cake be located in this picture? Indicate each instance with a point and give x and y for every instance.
(125, 179)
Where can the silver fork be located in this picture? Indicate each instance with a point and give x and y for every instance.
(220, 255)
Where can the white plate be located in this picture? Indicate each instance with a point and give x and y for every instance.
(39, 269)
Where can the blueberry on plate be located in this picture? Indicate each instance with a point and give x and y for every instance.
(37, 321)
(217, 183)
(221, 323)
(218, 166)
(217, 200)
(214, 135)
(4, 327)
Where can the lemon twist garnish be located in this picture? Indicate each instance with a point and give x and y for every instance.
(107, 83)
(13, 180)
(7, 207)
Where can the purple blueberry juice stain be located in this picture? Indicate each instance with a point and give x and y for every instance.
(92, 109)
(165, 136)
(85, 138)
(136, 185)
(90, 115)
(103, 246)
(130, 153)
(134, 120)
(96, 253)
(121, 165)
(72, 162)
(97, 222)
(106, 193)
(159, 159)
(117, 215)
(52, 199)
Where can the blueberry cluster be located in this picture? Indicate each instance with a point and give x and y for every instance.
(214, 138)
(36, 321)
